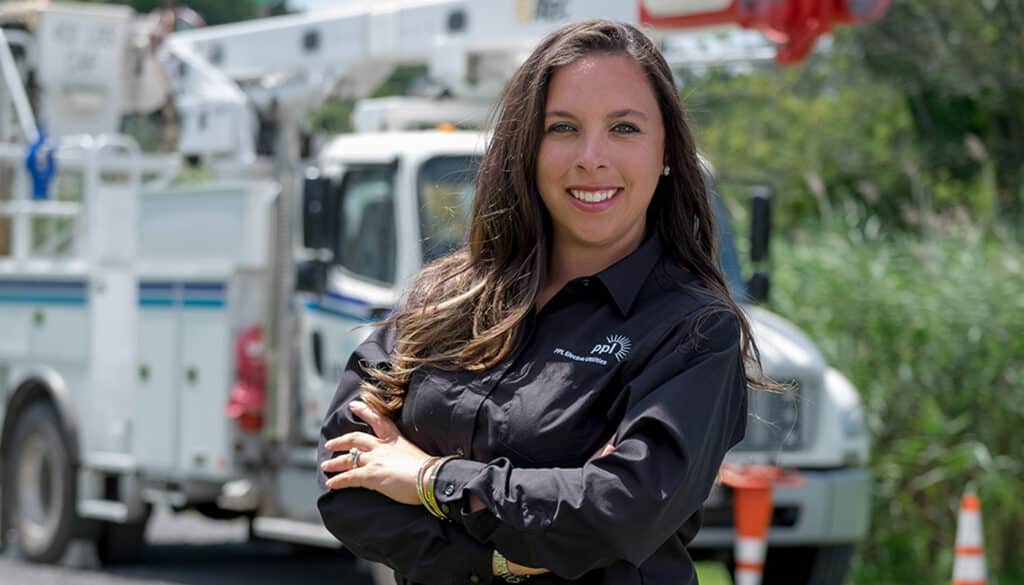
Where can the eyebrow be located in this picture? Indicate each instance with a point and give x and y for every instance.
(623, 113)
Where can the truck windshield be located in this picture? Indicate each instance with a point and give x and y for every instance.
(446, 194)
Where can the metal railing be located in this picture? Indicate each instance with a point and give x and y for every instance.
(56, 228)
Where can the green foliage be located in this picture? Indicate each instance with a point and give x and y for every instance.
(335, 115)
(823, 134)
(930, 331)
(961, 67)
(828, 133)
(926, 321)
(711, 573)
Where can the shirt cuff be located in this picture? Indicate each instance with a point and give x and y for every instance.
(450, 488)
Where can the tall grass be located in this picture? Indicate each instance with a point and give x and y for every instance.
(931, 330)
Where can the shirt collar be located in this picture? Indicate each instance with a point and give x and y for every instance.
(625, 278)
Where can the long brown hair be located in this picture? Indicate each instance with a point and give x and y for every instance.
(464, 311)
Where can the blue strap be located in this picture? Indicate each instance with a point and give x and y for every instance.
(42, 166)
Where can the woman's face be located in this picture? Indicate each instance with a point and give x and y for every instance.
(602, 152)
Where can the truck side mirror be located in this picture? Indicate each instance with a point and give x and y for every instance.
(316, 211)
(311, 276)
(759, 285)
(318, 232)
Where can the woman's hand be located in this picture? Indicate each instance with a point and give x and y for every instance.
(388, 462)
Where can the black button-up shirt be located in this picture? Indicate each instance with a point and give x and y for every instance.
(637, 355)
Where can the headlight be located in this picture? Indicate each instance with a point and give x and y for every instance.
(852, 420)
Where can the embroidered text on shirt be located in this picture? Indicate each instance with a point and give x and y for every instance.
(579, 358)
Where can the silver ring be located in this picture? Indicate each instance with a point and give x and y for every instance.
(354, 453)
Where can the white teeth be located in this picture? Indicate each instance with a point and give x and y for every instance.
(593, 196)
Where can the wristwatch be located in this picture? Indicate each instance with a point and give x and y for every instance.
(501, 569)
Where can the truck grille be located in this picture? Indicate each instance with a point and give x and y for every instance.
(778, 421)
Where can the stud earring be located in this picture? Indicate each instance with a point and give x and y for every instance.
(666, 171)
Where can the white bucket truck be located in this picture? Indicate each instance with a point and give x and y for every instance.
(177, 343)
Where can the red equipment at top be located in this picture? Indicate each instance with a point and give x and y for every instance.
(793, 25)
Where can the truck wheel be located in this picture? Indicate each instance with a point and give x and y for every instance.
(122, 544)
(214, 512)
(821, 565)
(41, 485)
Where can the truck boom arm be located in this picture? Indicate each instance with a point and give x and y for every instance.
(469, 47)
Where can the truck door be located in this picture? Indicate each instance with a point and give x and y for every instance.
(361, 287)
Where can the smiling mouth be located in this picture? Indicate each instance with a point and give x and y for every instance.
(597, 196)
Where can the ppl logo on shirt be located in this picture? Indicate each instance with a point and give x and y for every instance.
(616, 345)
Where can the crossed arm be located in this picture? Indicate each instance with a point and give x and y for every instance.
(374, 510)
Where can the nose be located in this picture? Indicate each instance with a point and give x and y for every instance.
(593, 152)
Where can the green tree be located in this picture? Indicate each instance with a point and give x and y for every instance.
(928, 329)
(825, 134)
(961, 67)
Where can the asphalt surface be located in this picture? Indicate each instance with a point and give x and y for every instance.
(187, 549)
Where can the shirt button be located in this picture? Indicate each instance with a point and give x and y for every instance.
(585, 282)
(474, 579)
(449, 489)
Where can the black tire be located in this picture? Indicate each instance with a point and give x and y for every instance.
(309, 552)
(40, 481)
(214, 512)
(821, 565)
(122, 544)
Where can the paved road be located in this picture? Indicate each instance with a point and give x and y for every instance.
(187, 549)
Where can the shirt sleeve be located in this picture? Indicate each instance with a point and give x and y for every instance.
(407, 538)
(685, 410)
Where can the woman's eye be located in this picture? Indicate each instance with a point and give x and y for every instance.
(625, 128)
(560, 128)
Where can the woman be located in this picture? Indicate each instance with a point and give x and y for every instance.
(579, 363)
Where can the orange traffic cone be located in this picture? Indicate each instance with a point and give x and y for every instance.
(969, 567)
(752, 514)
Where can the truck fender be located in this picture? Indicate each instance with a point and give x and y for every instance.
(42, 383)
(38, 383)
